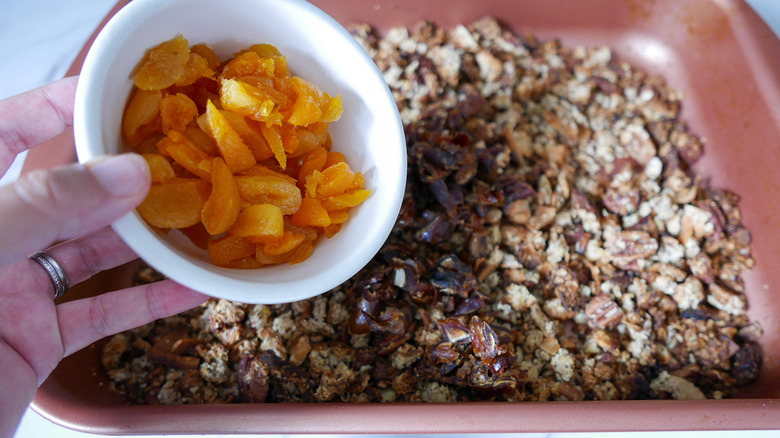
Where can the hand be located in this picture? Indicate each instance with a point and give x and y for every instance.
(72, 205)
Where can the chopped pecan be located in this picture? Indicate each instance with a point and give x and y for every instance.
(603, 313)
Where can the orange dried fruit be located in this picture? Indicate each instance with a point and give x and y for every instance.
(260, 170)
(263, 220)
(336, 179)
(346, 200)
(236, 153)
(269, 189)
(202, 140)
(222, 207)
(332, 110)
(184, 152)
(164, 64)
(246, 100)
(205, 51)
(338, 216)
(196, 67)
(304, 111)
(159, 168)
(177, 111)
(198, 235)
(249, 131)
(331, 230)
(288, 242)
(274, 139)
(311, 214)
(143, 109)
(314, 160)
(334, 158)
(227, 249)
(174, 204)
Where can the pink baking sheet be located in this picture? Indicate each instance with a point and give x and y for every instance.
(725, 60)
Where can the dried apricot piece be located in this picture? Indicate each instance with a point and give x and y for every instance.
(175, 204)
(229, 248)
(338, 216)
(202, 140)
(164, 64)
(143, 109)
(260, 170)
(159, 167)
(304, 111)
(196, 67)
(337, 179)
(334, 158)
(332, 110)
(197, 235)
(312, 182)
(268, 189)
(311, 214)
(300, 253)
(222, 207)
(236, 153)
(274, 139)
(208, 53)
(331, 230)
(177, 111)
(288, 242)
(263, 220)
(346, 200)
(184, 152)
(246, 100)
(314, 160)
(245, 263)
(250, 133)
(289, 138)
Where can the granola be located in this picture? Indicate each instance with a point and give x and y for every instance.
(553, 244)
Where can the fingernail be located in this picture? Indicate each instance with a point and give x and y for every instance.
(121, 175)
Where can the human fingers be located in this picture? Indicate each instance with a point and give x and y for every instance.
(33, 117)
(45, 207)
(83, 322)
(83, 257)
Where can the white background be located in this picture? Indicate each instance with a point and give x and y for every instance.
(39, 40)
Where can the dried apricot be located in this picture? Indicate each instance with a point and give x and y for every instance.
(222, 207)
(336, 179)
(311, 214)
(236, 153)
(346, 200)
(164, 65)
(227, 249)
(184, 152)
(267, 189)
(177, 111)
(143, 109)
(288, 241)
(263, 220)
(175, 204)
(159, 167)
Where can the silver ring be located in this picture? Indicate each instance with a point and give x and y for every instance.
(55, 271)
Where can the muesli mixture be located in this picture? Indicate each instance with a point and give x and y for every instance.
(553, 245)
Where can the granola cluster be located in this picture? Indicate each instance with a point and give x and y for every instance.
(553, 245)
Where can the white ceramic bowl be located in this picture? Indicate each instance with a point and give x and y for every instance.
(369, 133)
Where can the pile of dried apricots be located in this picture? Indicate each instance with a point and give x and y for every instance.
(239, 152)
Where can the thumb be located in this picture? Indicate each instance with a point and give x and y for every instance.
(45, 207)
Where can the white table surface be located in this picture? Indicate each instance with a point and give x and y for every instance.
(39, 40)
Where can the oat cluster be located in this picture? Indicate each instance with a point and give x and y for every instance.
(553, 245)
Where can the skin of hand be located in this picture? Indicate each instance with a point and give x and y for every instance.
(69, 207)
